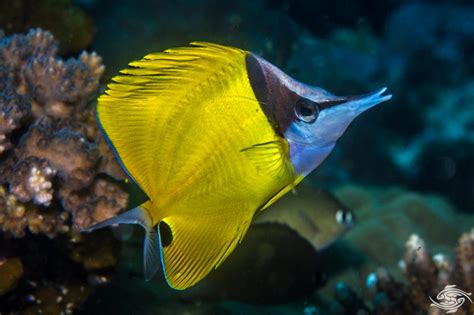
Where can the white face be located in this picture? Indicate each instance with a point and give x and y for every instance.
(314, 135)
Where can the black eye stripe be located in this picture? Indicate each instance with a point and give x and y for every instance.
(327, 104)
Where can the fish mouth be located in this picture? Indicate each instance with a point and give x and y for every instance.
(361, 103)
(356, 103)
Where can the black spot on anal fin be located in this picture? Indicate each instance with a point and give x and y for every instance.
(166, 235)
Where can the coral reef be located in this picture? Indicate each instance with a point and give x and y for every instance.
(465, 262)
(414, 291)
(52, 153)
(56, 176)
(391, 216)
(11, 270)
(68, 22)
(16, 218)
(41, 276)
(427, 276)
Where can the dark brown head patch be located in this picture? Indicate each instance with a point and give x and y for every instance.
(276, 100)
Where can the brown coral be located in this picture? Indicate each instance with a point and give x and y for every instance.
(32, 181)
(50, 300)
(67, 150)
(55, 174)
(64, 88)
(56, 276)
(94, 251)
(16, 218)
(465, 262)
(14, 108)
(11, 270)
(420, 267)
(427, 276)
(102, 201)
(51, 153)
(68, 22)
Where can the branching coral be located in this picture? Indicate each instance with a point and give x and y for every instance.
(14, 108)
(58, 88)
(67, 21)
(465, 263)
(98, 203)
(427, 276)
(16, 217)
(51, 153)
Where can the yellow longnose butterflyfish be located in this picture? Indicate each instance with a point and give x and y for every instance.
(212, 135)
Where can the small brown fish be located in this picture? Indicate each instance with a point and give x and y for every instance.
(313, 213)
(264, 270)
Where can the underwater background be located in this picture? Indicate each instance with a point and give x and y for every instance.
(404, 170)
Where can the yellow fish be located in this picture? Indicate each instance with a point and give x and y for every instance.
(212, 135)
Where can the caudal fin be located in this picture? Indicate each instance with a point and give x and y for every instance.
(151, 255)
(135, 216)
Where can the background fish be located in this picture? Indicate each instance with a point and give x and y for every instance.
(263, 270)
(315, 214)
(213, 134)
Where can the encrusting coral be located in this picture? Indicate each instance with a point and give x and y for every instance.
(51, 153)
(57, 175)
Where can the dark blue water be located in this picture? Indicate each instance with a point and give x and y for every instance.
(405, 167)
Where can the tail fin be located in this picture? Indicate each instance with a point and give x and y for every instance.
(151, 255)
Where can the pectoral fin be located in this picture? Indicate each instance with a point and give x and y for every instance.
(282, 192)
(271, 158)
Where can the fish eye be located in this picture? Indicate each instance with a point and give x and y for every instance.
(343, 217)
(306, 110)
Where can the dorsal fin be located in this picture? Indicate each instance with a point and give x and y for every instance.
(138, 106)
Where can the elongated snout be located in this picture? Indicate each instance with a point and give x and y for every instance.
(360, 103)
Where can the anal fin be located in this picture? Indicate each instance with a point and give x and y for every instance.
(200, 245)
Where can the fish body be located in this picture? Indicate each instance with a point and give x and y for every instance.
(212, 134)
(314, 214)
